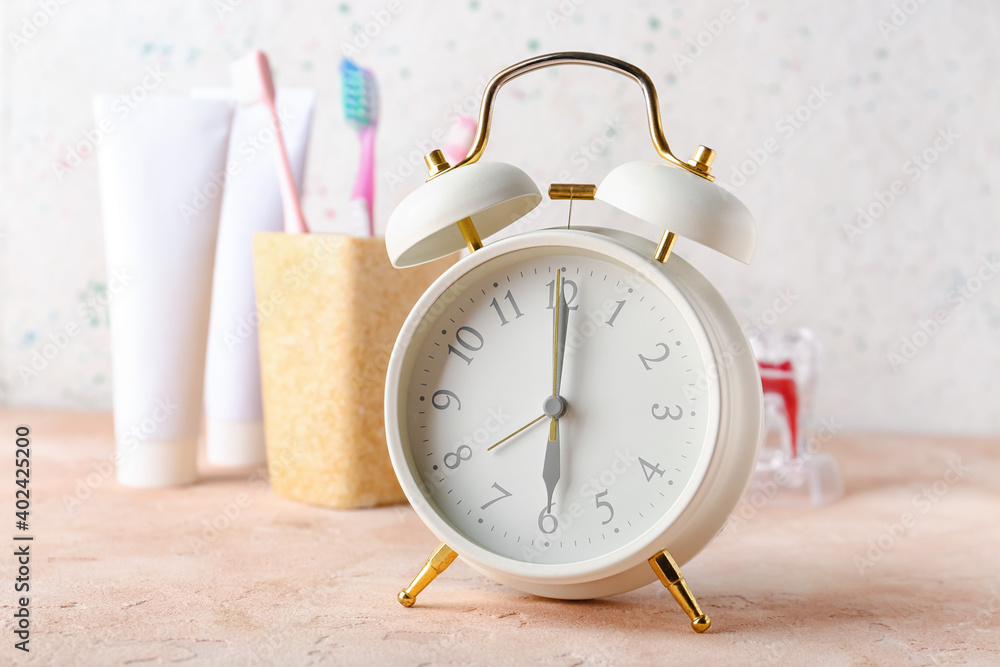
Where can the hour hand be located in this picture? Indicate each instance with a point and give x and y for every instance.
(550, 468)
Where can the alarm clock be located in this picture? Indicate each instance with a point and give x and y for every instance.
(574, 411)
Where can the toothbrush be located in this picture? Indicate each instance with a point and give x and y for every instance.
(252, 79)
(360, 99)
(459, 139)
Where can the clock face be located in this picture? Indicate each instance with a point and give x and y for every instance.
(639, 424)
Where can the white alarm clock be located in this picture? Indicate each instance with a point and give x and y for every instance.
(574, 411)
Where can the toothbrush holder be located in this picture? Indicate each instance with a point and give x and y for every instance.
(329, 309)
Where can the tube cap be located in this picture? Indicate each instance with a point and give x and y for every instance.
(234, 443)
(154, 463)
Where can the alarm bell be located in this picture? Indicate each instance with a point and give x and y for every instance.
(461, 204)
(482, 198)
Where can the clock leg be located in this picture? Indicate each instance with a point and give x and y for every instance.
(670, 576)
(438, 562)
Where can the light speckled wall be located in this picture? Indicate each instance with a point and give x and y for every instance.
(816, 109)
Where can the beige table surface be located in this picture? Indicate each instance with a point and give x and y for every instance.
(134, 577)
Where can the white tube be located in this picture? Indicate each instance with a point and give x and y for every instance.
(161, 173)
(234, 430)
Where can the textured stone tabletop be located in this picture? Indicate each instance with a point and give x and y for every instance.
(224, 573)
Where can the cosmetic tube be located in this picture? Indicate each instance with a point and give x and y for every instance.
(234, 429)
(161, 170)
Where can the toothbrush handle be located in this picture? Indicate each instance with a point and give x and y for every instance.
(295, 222)
(364, 185)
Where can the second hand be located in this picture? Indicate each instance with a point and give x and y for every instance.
(529, 424)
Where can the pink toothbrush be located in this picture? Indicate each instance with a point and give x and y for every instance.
(252, 79)
(360, 99)
(459, 139)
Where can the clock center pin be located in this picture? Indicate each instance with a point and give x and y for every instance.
(554, 406)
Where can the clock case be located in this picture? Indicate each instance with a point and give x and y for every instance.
(461, 204)
(722, 481)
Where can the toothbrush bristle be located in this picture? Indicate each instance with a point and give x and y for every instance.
(359, 94)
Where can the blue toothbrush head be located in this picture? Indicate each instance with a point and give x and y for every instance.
(358, 93)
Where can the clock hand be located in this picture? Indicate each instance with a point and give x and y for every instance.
(529, 424)
(550, 468)
(555, 406)
(560, 322)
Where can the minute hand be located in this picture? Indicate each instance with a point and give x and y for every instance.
(559, 329)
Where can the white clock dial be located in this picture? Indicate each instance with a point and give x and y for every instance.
(638, 429)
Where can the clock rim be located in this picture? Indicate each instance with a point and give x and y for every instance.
(503, 568)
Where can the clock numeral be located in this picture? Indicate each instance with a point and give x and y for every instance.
(496, 304)
(448, 395)
(614, 315)
(569, 287)
(647, 360)
(469, 333)
(604, 503)
(649, 469)
(505, 492)
(454, 459)
(667, 413)
(553, 525)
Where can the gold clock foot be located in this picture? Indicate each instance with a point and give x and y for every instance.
(438, 562)
(670, 576)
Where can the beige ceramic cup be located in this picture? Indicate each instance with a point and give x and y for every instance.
(329, 309)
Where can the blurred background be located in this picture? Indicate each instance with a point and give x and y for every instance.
(864, 137)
